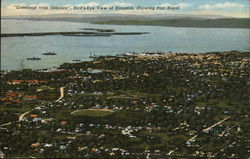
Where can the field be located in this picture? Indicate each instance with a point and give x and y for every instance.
(92, 112)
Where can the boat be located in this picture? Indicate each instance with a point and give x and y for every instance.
(33, 58)
(76, 60)
(49, 53)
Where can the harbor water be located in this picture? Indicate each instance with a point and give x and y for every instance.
(15, 50)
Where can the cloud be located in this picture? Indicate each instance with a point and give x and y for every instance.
(90, 4)
(181, 5)
(120, 4)
(235, 14)
(184, 5)
(220, 6)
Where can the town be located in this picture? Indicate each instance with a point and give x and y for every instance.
(145, 105)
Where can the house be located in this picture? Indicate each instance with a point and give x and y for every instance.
(29, 97)
(11, 97)
(102, 136)
(33, 115)
(63, 122)
(132, 136)
(34, 145)
(2, 155)
(158, 128)
(62, 147)
(37, 119)
(82, 148)
(27, 81)
(48, 145)
(192, 132)
(71, 137)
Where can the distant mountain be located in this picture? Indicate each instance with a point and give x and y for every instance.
(173, 20)
(186, 22)
(113, 16)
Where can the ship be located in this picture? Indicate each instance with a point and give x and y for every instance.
(33, 58)
(49, 53)
(76, 60)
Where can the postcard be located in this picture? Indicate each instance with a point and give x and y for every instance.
(125, 79)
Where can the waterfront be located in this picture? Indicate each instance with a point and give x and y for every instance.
(15, 49)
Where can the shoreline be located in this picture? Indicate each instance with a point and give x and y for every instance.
(138, 55)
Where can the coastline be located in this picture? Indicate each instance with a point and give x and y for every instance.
(143, 55)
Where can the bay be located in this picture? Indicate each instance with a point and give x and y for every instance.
(175, 39)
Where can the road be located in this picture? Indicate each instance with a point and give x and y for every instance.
(204, 130)
(222, 134)
(192, 138)
(221, 150)
(5, 124)
(22, 115)
(61, 96)
(207, 129)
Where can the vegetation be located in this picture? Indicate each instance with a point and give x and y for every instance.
(166, 105)
(93, 113)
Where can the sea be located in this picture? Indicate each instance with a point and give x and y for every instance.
(15, 50)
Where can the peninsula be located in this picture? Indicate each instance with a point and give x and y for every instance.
(72, 34)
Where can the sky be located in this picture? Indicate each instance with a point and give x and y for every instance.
(232, 8)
